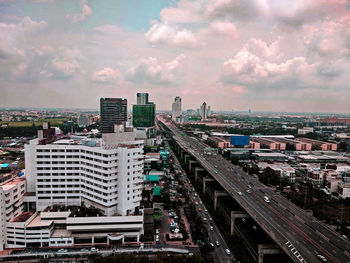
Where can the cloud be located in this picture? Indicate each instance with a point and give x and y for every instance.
(163, 33)
(251, 66)
(224, 28)
(64, 68)
(152, 71)
(85, 12)
(184, 12)
(105, 75)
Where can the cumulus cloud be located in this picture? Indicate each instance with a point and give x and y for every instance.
(85, 12)
(253, 65)
(184, 12)
(105, 75)
(224, 28)
(163, 33)
(152, 71)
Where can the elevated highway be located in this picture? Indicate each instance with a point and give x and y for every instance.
(301, 236)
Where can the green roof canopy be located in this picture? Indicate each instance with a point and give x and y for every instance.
(152, 178)
(157, 190)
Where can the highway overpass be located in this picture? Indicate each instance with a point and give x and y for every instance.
(301, 236)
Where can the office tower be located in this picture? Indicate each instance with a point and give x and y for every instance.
(143, 113)
(176, 110)
(113, 111)
(142, 98)
(208, 111)
(203, 111)
(102, 173)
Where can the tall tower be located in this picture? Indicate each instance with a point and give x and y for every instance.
(176, 110)
(142, 98)
(143, 113)
(113, 111)
(203, 111)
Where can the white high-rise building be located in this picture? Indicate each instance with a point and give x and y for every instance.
(203, 111)
(176, 110)
(103, 173)
(12, 190)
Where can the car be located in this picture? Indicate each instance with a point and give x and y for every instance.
(228, 252)
(322, 258)
(240, 193)
(93, 249)
(216, 172)
(84, 250)
(244, 220)
(248, 191)
(266, 199)
(157, 238)
(62, 250)
(212, 245)
(255, 227)
(217, 243)
(204, 219)
(211, 228)
(157, 231)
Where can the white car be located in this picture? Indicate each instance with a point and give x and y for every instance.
(211, 228)
(322, 258)
(240, 193)
(228, 252)
(217, 243)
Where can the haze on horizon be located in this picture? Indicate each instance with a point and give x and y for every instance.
(267, 55)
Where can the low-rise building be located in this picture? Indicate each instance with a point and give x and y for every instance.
(344, 190)
(34, 229)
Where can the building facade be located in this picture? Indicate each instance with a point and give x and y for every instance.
(143, 115)
(142, 98)
(12, 190)
(113, 111)
(176, 111)
(204, 111)
(102, 173)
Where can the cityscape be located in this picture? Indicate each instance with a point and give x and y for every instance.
(175, 131)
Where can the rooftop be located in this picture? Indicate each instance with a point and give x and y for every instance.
(12, 183)
(23, 217)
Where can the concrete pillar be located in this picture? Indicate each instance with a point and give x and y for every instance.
(264, 249)
(92, 240)
(216, 195)
(191, 164)
(234, 215)
(187, 158)
(205, 180)
(138, 238)
(196, 171)
(183, 155)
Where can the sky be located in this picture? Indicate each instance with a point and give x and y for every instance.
(266, 55)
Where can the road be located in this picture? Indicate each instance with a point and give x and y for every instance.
(300, 235)
(215, 234)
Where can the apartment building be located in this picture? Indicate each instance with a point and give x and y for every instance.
(102, 173)
(12, 189)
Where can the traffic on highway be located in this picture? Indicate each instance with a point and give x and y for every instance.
(300, 235)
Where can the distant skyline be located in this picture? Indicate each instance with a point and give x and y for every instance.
(266, 55)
